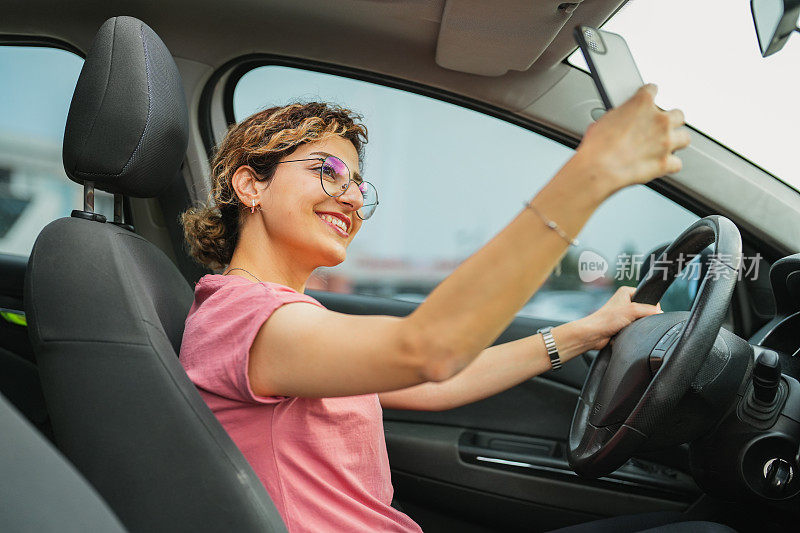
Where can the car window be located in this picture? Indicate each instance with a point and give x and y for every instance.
(34, 100)
(449, 179)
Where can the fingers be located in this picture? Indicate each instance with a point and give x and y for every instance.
(634, 309)
(678, 137)
(644, 96)
(621, 297)
(681, 138)
(676, 117)
(626, 291)
(672, 164)
(642, 310)
(651, 89)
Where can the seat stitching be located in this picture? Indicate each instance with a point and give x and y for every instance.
(93, 341)
(149, 98)
(149, 113)
(102, 100)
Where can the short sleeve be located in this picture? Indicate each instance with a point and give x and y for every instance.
(220, 332)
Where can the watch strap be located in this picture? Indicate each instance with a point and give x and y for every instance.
(550, 345)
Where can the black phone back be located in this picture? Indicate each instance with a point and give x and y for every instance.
(610, 63)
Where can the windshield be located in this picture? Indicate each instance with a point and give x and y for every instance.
(704, 57)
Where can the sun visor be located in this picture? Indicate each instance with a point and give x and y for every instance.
(491, 38)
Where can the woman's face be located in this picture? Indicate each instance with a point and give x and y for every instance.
(295, 207)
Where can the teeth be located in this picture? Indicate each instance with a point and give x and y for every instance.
(335, 221)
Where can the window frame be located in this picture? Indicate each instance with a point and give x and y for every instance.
(41, 42)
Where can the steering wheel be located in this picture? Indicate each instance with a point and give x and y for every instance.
(639, 377)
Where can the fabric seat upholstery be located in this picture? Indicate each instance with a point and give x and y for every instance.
(106, 311)
(40, 490)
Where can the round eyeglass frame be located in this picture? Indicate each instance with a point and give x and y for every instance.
(349, 182)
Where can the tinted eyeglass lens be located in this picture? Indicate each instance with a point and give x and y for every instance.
(334, 176)
(370, 200)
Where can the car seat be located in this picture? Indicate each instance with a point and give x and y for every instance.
(40, 490)
(106, 311)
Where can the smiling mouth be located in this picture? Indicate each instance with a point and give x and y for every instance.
(332, 222)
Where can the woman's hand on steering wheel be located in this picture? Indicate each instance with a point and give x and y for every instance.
(618, 312)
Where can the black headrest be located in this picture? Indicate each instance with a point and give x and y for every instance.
(128, 124)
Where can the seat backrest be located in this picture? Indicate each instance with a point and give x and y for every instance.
(40, 490)
(106, 311)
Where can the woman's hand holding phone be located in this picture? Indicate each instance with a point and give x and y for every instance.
(634, 143)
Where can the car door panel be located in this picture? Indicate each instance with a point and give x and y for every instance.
(536, 407)
(425, 456)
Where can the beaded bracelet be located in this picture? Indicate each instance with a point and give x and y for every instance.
(552, 225)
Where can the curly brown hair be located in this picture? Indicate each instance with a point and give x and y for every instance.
(260, 141)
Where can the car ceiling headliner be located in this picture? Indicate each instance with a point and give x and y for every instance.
(395, 37)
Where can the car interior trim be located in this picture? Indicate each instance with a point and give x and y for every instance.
(39, 41)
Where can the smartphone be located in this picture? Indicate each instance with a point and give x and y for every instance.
(610, 63)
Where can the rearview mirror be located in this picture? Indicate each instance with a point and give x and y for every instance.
(775, 20)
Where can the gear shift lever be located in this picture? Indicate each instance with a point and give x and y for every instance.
(766, 377)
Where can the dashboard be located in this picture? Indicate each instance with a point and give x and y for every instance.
(754, 451)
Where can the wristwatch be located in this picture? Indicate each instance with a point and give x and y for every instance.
(550, 344)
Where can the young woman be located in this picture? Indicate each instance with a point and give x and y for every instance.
(300, 388)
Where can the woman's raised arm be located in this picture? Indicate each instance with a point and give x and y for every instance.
(304, 350)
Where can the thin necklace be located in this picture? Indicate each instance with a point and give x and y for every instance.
(243, 270)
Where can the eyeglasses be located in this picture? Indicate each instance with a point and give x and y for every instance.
(335, 178)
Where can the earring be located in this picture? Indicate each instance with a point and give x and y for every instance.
(253, 209)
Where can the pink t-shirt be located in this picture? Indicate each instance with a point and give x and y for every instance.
(322, 460)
